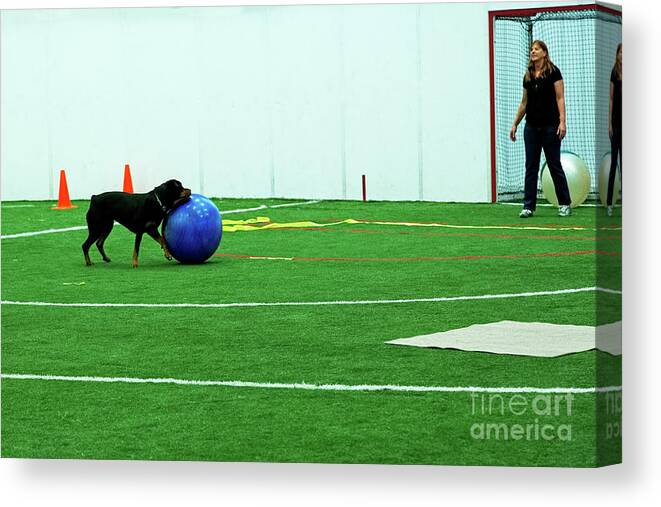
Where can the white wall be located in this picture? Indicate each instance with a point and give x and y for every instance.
(293, 101)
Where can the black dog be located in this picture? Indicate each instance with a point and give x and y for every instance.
(139, 213)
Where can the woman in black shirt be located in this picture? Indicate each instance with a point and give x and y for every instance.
(615, 123)
(543, 105)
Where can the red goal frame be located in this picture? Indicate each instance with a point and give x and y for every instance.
(492, 86)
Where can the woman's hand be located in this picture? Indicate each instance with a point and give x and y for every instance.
(560, 99)
(610, 131)
(513, 133)
(562, 130)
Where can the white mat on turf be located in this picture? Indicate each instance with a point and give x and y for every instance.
(524, 338)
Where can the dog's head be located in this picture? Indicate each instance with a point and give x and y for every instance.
(171, 194)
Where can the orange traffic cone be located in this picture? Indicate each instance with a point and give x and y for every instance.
(128, 182)
(63, 201)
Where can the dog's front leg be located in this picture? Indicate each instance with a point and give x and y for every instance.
(153, 232)
(136, 249)
(166, 252)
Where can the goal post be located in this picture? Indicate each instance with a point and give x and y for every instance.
(582, 40)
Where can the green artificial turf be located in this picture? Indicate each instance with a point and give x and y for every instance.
(322, 344)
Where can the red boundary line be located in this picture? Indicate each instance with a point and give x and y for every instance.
(492, 92)
(404, 259)
(492, 108)
(444, 234)
(479, 235)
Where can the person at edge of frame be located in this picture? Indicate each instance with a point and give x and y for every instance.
(543, 105)
(615, 124)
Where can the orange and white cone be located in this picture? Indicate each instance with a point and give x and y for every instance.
(63, 200)
(128, 182)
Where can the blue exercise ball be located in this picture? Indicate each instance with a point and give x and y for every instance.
(193, 230)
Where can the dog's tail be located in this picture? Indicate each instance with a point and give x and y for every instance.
(90, 211)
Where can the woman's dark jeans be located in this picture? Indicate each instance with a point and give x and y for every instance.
(616, 152)
(538, 139)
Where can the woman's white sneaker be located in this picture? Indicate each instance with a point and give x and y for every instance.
(564, 211)
(525, 213)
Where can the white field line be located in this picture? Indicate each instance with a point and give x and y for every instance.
(81, 227)
(549, 205)
(47, 231)
(317, 387)
(264, 206)
(227, 212)
(7, 206)
(293, 204)
(311, 303)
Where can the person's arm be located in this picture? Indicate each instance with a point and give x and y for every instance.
(560, 99)
(520, 113)
(610, 110)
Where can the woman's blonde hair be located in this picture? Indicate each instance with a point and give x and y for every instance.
(618, 64)
(547, 65)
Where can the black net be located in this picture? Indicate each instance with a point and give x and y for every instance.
(582, 45)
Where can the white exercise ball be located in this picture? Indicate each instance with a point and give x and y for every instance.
(578, 179)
